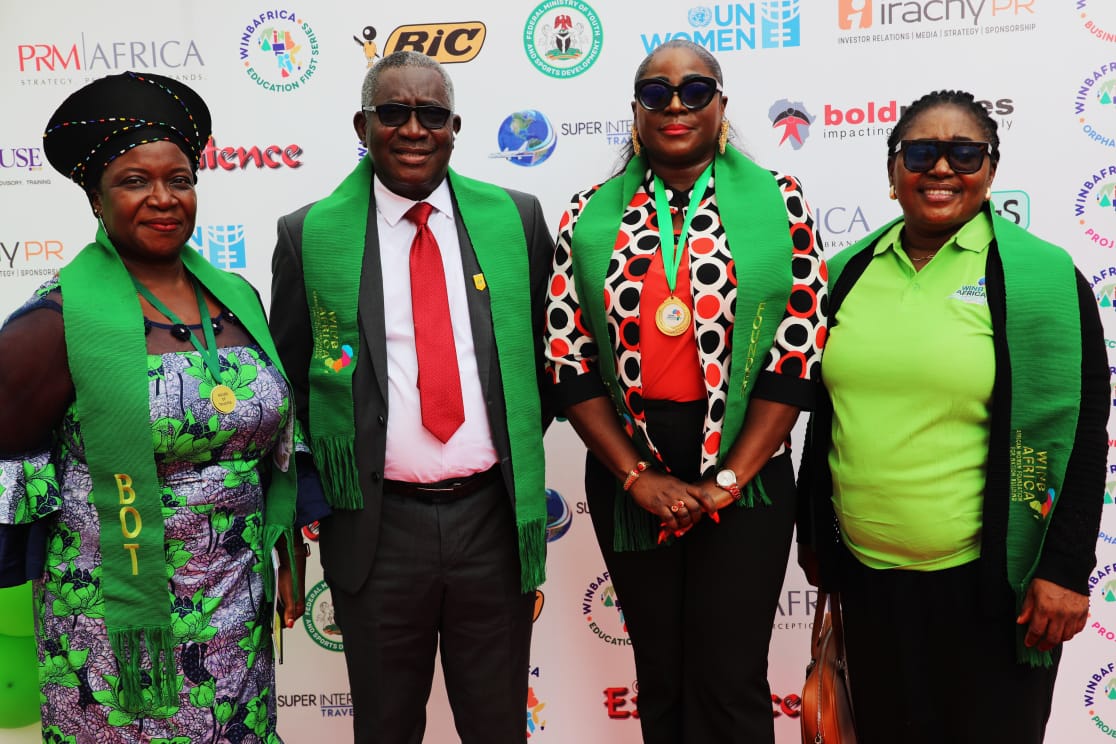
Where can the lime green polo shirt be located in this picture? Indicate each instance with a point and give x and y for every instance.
(909, 366)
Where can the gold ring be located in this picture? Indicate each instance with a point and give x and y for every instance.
(674, 507)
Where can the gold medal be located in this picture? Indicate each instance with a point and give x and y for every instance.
(673, 317)
(223, 399)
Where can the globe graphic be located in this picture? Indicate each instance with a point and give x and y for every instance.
(526, 138)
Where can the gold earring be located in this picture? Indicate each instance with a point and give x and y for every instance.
(891, 193)
(635, 140)
(722, 140)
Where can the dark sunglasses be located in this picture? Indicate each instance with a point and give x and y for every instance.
(963, 156)
(655, 94)
(398, 114)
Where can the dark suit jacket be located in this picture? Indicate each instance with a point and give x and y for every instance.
(349, 538)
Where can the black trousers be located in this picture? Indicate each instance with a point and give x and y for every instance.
(699, 612)
(445, 575)
(932, 660)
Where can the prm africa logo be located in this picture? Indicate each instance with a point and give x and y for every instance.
(563, 38)
(279, 51)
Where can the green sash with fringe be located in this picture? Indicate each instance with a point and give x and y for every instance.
(333, 240)
(754, 216)
(1043, 330)
(107, 353)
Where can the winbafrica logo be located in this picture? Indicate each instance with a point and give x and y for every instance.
(1095, 103)
(1099, 698)
(526, 138)
(1102, 601)
(563, 38)
(1098, 18)
(319, 621)
(732, 27)
(601, 609)
(279, 51)
(1094, 206)
(918, 20)
(1103, 282)
(223, 245)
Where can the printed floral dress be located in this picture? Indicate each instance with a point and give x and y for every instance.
(212, 508)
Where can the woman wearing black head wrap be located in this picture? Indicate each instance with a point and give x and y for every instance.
(152, 449)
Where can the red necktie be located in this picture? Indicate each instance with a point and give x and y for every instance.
(439, 381)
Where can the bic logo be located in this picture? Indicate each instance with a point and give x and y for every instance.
(445, 42)
(854, 14)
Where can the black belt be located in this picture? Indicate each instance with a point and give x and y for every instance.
(445, 491)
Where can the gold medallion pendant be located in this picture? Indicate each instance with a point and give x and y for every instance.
(223, 399)
(673, 317)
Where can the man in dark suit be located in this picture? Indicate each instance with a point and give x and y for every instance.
(420, 393)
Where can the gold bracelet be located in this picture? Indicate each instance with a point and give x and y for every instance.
(635, 472)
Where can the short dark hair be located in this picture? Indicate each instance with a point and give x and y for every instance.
(402, 59)
(959, 98)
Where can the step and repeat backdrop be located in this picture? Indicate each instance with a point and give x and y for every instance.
(813, 89)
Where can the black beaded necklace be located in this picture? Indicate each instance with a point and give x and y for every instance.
(181, 331)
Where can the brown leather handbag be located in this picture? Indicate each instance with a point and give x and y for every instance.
(827, 712)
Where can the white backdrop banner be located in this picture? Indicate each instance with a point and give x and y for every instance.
(544, 93)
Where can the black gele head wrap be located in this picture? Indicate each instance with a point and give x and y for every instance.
(108, 117)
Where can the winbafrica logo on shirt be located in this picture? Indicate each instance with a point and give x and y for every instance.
(971, 293)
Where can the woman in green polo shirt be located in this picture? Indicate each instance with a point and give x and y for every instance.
(965, 488)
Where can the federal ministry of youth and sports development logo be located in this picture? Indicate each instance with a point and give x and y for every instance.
(793, 118)
(1094, 104)
(223, 245)
(279, 50)
(318, 619)
(563, 37)
(1094, 205)
(601, 609)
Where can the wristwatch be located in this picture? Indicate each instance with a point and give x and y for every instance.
(726, 479)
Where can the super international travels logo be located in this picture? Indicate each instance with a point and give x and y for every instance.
(526, 138)
(1094, 206)
(1098, 18)
(1095, 103)
(279, 51)
(563, 38)
(319, 620)
(601, 609)
(732, 27)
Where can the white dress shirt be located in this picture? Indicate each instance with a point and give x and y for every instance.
(413, 453)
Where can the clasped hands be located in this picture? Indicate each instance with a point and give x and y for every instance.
(677, 504)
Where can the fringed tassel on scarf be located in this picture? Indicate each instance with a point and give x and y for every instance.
(753, 492)
(636, 528)
(336, 463)
(532, 554)
(128, 646)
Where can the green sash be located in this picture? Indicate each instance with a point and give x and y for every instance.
(1042, 324)
(333, 241)
(108, 364)
(754, 216)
